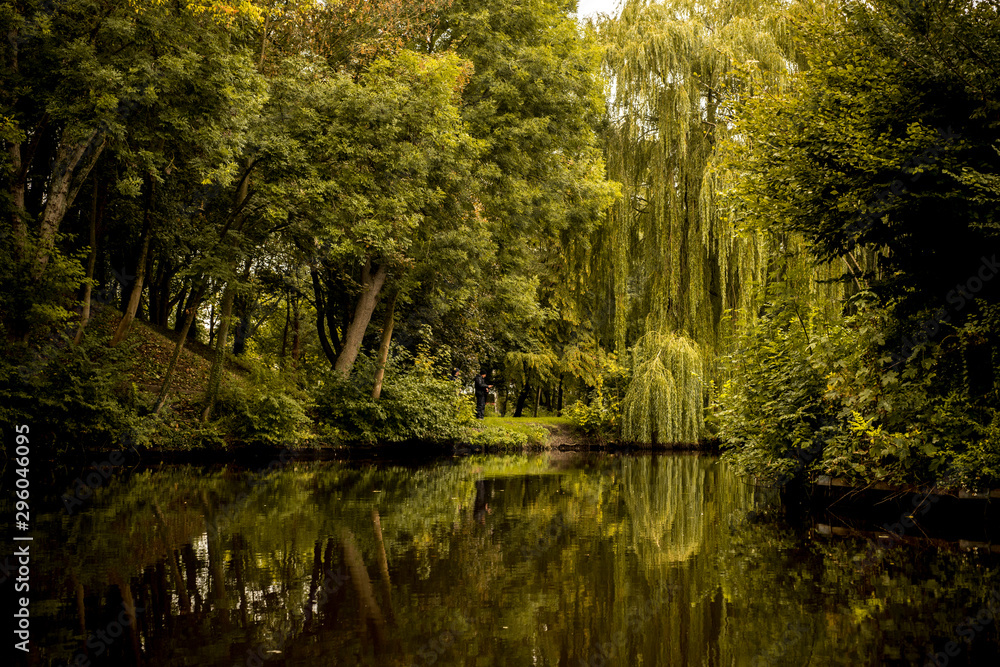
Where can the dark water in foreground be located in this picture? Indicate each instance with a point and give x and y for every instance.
(551, 559)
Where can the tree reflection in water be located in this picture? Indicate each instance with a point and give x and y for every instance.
(507, 560)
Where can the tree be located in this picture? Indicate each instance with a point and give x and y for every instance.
(397, 159)
(536, 100)
(674, 266)
(887, 142)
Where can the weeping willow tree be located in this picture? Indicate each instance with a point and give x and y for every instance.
(681, 277)
(663, 402)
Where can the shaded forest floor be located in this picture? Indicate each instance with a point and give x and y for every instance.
(151, 348)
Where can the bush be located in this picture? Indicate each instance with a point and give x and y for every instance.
(601, 418)
(774, 416)
(858, 399)
(74, 397)
(496, 438)
(268, 412)
(415, 403)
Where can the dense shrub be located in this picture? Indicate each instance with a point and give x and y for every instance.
(862, 399)
(495, 438)
(774, 413)
(416, 403)
(600, 417)
(267, 410)
(73, 397)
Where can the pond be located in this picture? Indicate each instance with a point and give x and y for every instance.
(532, 559)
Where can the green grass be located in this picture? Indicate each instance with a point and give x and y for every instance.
(525, 430)
(520, 422)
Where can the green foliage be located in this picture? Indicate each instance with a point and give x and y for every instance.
(773, 402)
(838, 399)
(495, 438)
(532, 428)
(417, 403)
(664, 399)
(887, 138)
(31, 305)
(600, 419)
(266, 412)
(74, 397)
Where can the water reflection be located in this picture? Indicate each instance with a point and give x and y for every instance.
(495, 560)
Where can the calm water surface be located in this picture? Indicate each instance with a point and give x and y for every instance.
(549, 559)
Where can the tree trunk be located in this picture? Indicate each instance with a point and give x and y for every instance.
(91, 263)
(17, 192)
(284, 334)
(21, 158)
(240, 333)
(169, 376)
(72, 165)
(521, 399)
(559, 403)
(244, 306)
(218, 364)
(181, 308)
(140, 274)
(538, 399)
(371, 285)
(211, 326)
(321, 316)
(295, 332)
(383, 348)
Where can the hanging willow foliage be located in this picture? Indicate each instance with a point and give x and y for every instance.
(682, 278)
(664, 400)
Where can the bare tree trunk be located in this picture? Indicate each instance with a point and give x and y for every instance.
(371, 285)
(295, 332)
(218, 364)
(521, 398)
(140, 274)
(383, 348)
(72, 165)
(538, 399)
(211, 326)
(91, 264)
(181, 303)
(321, 316)
(169, 376)
(17, 190)
(284, 334)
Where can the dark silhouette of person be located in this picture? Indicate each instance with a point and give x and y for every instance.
(482, 390)
(481, 506)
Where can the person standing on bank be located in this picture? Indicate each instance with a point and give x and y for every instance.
(482, 389)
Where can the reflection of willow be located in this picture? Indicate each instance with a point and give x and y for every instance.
(674, 506)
